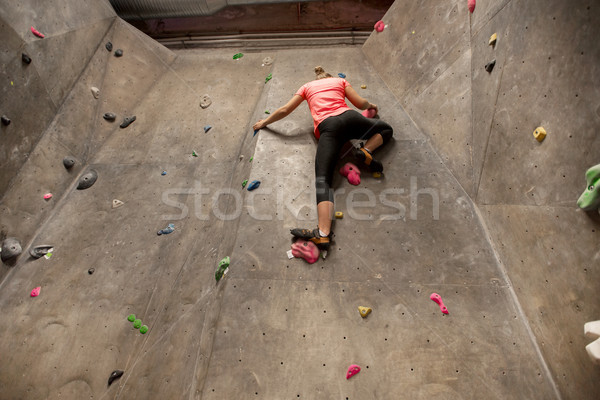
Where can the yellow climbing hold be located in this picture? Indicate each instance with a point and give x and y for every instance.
(377, 175)
(539, 134)
(493, 39)
(364, 311)
(339, 214)
(363, 86)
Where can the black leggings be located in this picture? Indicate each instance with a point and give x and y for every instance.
(335, 132)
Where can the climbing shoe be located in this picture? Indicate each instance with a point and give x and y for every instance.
(364, 156)
(313, 235)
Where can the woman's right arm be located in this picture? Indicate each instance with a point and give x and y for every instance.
(357, 100)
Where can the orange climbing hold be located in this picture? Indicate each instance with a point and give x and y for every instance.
(471, 5)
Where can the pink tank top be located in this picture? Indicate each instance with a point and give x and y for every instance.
(326, 98)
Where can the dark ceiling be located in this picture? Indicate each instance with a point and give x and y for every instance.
(333, 15)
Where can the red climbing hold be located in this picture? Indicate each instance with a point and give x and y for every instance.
(306, 250)
(438, 299)
(36, 33)
(352, 370)
(471, 5)
(351, 172)
(369, 113)
(35, 292)
(379, 26)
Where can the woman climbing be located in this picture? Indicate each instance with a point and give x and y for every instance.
(334, 124)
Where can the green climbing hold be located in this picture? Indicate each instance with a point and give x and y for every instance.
(143, 329)
(251, 158)
(268, 78)
(223, 265)
(137, 323)
(194, 153)
(267, 112)
(131, 317)
(590, 198)
(244, 183)
(238, 56)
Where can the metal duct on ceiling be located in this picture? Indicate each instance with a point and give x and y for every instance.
(147, 9)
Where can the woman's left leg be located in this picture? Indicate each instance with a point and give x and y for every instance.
(326, 158)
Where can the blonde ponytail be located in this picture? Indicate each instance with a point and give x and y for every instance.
(320, 72)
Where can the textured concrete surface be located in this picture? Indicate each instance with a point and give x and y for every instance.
(519, 275)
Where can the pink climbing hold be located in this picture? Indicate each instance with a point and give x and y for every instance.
(471, 5)
(352, 370)
(35, 292)
(438, 299)
(369, 113)
(351, 172)
(379, 26)
(47, 196)
(36, 33)
(306, 250)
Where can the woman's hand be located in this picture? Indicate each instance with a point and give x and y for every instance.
(373, 106)
(259, 125)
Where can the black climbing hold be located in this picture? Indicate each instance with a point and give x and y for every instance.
(109, 116)
(26, 59)
(87, 180)
(91, 271)
(116, 374)
(40, 251)
(11, 248)
(68, 162)
(490, 66)
(5, 120)
(127, 121)
(108, 46)
(118, 53)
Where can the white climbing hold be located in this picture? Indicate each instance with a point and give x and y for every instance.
(95, 92)
(117, 203)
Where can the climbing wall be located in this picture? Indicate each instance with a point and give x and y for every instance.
(517, 275)
(290, 330)
(545, 74)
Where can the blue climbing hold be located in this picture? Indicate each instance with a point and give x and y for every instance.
(163, 173)
(255, 132)
(170, 228)
(253, 185)
(207, 128)
(343, 76)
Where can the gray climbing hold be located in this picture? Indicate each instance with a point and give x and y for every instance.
(127, 121)
(11, 248)
(109, 116)
(118, 53)
(87, 179)
(490, 66)
(5, 120)
(108, 46)
(68, 162)
(116, 374)
(205, 101)
(25, 58)
(40, 251)
(91, 270)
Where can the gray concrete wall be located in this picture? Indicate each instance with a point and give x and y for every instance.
(30, 95)
(518, 275)
(432, 56)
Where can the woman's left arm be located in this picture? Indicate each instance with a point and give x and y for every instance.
(280, 113)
